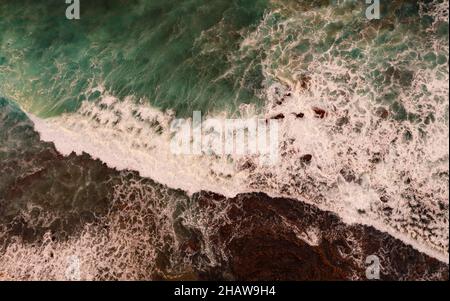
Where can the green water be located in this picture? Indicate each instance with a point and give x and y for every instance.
(213, 55)
(385, 59)
(188, 55)
(170, 52)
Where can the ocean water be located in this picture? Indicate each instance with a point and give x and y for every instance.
(362, 107)
(172, 53)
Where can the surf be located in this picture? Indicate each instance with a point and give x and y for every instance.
(363, 113)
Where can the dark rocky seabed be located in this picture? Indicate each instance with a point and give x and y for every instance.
(249, 237)
(173, 53)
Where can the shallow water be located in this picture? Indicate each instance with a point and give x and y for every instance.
(366, 102)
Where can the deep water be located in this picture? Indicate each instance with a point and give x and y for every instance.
(172, 53)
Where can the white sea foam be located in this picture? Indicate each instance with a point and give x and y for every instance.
(127, 142)
(124, 244)
(128, 136)
(336, 151)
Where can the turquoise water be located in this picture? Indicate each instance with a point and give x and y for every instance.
(382, 85)
(170, 52)
(188, 55)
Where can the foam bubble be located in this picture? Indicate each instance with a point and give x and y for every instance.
(364, 127)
